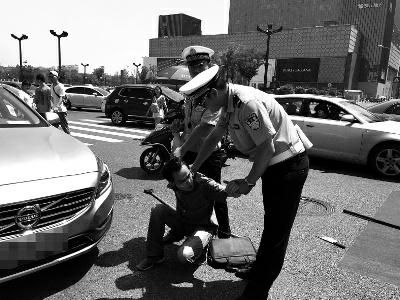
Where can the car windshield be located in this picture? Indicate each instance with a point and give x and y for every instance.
(14, 112)
(101, 91)
(360, 112)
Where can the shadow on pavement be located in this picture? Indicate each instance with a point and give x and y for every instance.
(331, 166)
(170, 280)
(50, 281)
(137, 173)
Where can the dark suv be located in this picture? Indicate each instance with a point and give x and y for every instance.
(132, 102)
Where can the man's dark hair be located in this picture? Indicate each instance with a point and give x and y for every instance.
(172, 166)
(219, 82)
(25, 82)
(40, 77)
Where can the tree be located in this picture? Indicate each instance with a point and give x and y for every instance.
(98, 74)
(143, 74)
(239, 60)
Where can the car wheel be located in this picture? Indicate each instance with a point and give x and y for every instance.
(118, 117)
(385, 160)
(152, 160)
(68, 104)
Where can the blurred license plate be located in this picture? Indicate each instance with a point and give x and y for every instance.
(32, 247)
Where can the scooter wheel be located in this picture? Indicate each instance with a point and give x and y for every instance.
(152, 160)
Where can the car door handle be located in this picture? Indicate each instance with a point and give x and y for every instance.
(310, 125)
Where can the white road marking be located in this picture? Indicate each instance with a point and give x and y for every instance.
(95, 137)
(111, 127)
(133, 136)
(97, 121)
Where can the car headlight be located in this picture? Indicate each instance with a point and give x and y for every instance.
(104, 179)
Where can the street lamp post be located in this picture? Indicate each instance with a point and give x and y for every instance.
(380, 67)
(268, 32)
(59, 36)
(137, 71)
(23, 37)
(84, 72)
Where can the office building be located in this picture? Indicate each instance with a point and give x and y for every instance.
(178, 25)
(351, 44)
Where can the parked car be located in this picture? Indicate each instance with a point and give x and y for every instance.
(389, 110)
(132, 102)
(18, 85)
(56, 196)
(343, 130)
(85, 96)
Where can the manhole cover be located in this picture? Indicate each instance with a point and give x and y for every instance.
(314, 208)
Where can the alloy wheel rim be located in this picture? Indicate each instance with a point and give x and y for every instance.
(117, 117)
(156, 164)
(388, 162)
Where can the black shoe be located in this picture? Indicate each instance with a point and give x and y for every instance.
(244, 274)
(170, 238)
(224, 235)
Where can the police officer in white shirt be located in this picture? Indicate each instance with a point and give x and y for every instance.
(199, 122)
(260, 128)
(57, 95)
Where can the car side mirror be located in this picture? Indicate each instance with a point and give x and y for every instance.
(52, 118)
(95, 94)
(348, 118)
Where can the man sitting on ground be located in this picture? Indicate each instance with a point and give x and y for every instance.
(194, 216)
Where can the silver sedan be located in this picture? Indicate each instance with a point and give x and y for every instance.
(56, 196)
(343, 130)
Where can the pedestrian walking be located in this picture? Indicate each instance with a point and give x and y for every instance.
(42, 97)
(159, 106)
(260, 128)
(199, 122)
(26, 95)
(57, 95)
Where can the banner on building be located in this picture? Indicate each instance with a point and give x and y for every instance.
(297, 69)
(166, 62)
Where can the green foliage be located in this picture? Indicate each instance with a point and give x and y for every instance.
(238, 60)
(143, 74)
(98, 74)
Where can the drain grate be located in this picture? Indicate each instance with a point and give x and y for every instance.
(314, 208)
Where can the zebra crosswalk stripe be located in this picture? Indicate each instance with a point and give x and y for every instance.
(95, 137)
(133, 136)
(111, 127)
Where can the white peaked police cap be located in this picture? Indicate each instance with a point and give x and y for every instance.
(53, 73)
(195, 53)
(200, 84)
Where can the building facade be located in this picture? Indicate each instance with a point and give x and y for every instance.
(335, 47)
(349, 43)
(374, 20)
(178, 25)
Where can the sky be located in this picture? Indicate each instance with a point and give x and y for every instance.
(110, 33)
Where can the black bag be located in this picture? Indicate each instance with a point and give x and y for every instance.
(232, 254)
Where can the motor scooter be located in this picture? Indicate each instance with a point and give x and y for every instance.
(159, 142)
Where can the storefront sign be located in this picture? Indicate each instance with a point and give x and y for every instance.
(370, 5)
(297, 69)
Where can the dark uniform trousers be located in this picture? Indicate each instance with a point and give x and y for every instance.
(282, 185)
(211, 168)
(63, 121)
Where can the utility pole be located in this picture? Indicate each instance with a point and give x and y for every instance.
(23, 37)
(84, 72)
(137, 71)
(59, 36)
(268, 32)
